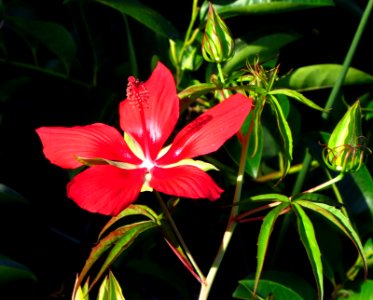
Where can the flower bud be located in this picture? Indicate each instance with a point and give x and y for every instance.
(217, 42)
(346, 150)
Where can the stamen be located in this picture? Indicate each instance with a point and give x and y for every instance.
(137, 93)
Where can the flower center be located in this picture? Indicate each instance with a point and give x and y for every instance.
(147, 164)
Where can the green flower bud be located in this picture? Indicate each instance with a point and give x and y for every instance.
(217, 42)
(346, 150)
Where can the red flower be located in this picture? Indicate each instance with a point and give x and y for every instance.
(122, 167)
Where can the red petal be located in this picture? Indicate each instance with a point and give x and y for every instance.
(151, 115)
(209, 131)
(106, 189)
(62, 144)
(185, 181)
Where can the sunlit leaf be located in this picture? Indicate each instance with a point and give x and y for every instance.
(229, 8)
(110, 289)
(197, 90)
(263, 239)
(133, 209)
(51, 35)
(270, 197)
(143, 14)
(315, 77)
(308, 237)
(335, 216)
(115, 243)
(297, 96)
(285, 132)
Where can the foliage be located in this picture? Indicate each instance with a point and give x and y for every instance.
(295, 220)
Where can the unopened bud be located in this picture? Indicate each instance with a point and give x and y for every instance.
(346, 150)
(217, 42)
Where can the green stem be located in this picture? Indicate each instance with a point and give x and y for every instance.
(337, 194)
(179, 236)
(348, 59)
(205, 289)
(326, 184)
(222, 79)
(131, 49)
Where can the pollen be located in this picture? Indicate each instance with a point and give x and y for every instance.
(137, 93)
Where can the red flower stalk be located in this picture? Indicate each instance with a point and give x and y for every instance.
(121, 167)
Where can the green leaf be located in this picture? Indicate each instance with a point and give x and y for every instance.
(364, 183)
(285, 132)
(110, 289)
(315, 77)
(230, 8)
(362, 290)
(197, 90)
(270, 197)
(278, 285)
(116, 242)
(308, 237)
(335, 216)
(248, 50)
(51, 35)
(263, 239)
(11, 271)
(126, 239)
(133, 209)
(143, 14)
(314, 197)
(297, 96)
(266, 289)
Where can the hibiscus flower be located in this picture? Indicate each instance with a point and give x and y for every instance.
(121, 166)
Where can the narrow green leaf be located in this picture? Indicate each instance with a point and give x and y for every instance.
(270, 197)
(297, 96)
(285, 132)
(145, 15)
(315, 77)
(197, 90)
(117, 240)
(263, 239)
(308, 237)
(125, 240)
(51, 35)
(335, 216)
(133, 209)
(229, 8)
(314, 197)
(110, 289)
(249, 50)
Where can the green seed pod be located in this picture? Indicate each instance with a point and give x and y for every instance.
(346, 150)
(217, 42)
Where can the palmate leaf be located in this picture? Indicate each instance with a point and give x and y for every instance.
(263, 239)
(285, 132)
(229, 8)
(315, 77)
(270, 197)
(145, 15)
(115, 242)
(308, 237)
(335, 216)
